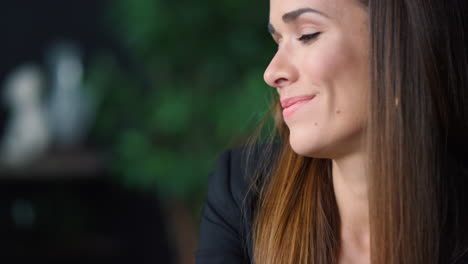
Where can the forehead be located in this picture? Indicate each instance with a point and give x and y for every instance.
(332, 8)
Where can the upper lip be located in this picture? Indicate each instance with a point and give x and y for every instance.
(287, 102)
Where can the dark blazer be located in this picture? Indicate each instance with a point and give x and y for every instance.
(225, 229)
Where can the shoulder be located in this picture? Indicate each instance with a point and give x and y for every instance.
(226, 217)
(228, 180)
(237, 168)
(462, 259)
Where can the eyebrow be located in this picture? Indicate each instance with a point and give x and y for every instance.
(293, 15)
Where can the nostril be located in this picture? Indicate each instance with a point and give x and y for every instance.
(280, 81)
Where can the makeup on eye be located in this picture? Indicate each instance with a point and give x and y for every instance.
(304, 38)
(308, 37)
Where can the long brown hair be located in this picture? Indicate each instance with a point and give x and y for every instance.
(417, 142)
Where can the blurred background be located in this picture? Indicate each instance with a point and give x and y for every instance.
(112, 116)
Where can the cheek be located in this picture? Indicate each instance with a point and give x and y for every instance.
(325, 62)
(329, 69)
(336, 72)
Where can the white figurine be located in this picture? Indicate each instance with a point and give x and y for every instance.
(69, 107)
(26, 136)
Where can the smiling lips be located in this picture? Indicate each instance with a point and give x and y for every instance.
(292, 104)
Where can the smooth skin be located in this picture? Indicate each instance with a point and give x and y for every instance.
(323, 50)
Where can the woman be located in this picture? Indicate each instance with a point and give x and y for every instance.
(371, 165)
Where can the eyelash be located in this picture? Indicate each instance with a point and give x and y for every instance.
(308, 37)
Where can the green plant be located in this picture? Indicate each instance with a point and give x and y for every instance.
(203, 63)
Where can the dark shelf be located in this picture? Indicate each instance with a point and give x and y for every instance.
(59, 165)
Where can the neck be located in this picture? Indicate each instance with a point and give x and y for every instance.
(350, 186)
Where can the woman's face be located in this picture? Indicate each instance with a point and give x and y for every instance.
(322, 54)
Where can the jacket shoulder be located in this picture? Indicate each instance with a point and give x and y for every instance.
(239, 168)
(226, 217)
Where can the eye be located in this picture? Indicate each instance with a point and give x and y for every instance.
(308, 37)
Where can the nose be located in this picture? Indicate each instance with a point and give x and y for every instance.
(281, 71)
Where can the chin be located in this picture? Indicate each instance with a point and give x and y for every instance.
(307, 145)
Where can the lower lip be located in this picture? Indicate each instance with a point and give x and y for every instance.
(287, 112)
